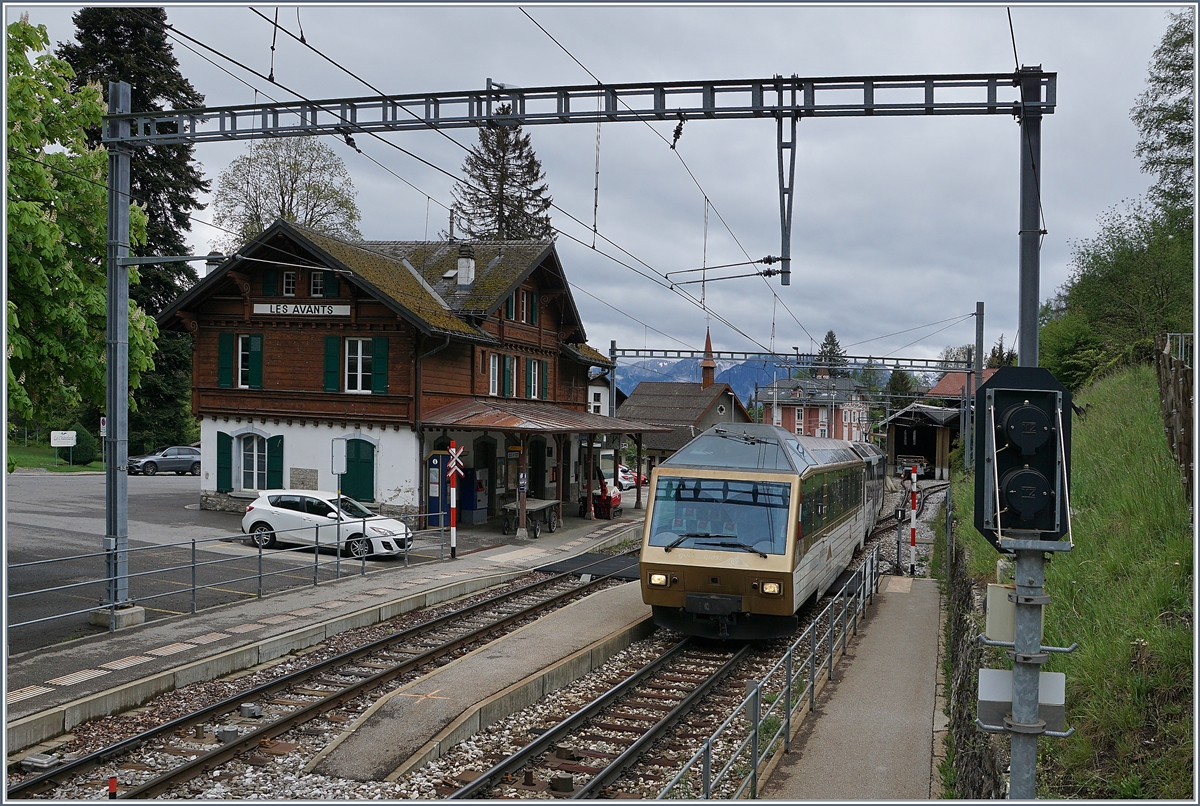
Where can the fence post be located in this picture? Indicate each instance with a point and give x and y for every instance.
(787, 704)
(706, 771)
(363, 566)
(316, 552)
(845, 606)
(260, 548)
(831, 637)
(812, 669)
(193, 575)
(752, 701)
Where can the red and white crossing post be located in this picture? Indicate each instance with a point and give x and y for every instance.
(912, 524)
(454, 470)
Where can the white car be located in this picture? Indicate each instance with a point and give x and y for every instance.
(305, 517)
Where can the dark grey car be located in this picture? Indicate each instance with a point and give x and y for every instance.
(178, 459)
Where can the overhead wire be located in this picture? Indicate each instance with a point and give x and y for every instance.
(954, 319)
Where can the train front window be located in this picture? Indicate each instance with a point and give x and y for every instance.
(721, 515)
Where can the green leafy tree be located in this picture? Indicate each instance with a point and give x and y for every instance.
(962, 354)
(1165, 117)
(298, 179)
(505, 195)
(131, 44)
(57, 224)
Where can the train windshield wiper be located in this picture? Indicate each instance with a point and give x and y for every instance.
(689, 535)
(734, 544)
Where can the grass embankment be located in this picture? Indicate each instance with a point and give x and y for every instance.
(1125, 594)
(43, 456)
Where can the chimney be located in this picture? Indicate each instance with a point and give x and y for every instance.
(708, 367)
(466, 264)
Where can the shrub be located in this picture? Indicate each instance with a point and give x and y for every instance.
(85, 450)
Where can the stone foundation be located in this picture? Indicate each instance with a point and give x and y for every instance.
(226, 502)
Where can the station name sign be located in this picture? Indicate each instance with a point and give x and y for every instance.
(301, 309)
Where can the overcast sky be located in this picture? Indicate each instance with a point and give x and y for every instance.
(898, 222)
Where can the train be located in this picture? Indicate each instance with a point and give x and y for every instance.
(747, 522)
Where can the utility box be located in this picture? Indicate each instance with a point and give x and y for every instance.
(1001, 614)
(995, 698)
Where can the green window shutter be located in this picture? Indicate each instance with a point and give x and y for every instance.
(224, 462)
(510, 307)
(256, 361)
(533, 306)
(528, 378)
(333, 362)
(545, 381)
(379, 365)
(508, 376)
(270, 282)
(331, 284)
(225, 360)
(275, 463)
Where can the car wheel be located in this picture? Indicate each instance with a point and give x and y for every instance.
(195, 468)
(149, 469)
(358, 547)
(262, 536)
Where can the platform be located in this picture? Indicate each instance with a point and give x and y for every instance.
(415, 723)
(872, 736)
(50, 690)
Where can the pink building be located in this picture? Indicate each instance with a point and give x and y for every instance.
(837, 408)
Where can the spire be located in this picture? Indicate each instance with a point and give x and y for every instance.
(708, 367)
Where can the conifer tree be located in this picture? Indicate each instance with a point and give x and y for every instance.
(505, 195)
(832, 355)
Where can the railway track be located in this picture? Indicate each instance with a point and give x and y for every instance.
(586, 753)
(264, 712)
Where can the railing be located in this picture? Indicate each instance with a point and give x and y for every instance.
(1173, 361)
(748, 741)
(183, 577)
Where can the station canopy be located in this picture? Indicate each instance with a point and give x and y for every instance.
(486, 414)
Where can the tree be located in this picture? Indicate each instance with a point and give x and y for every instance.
(131, 44)
(298, 179)
(505, 195)
(831, 355)
(1164, 116)
(901, 384)
(1000, 356)
(962, 354)
(85, 450)
(57, 224)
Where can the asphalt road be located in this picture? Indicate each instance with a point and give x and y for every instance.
(61, 517)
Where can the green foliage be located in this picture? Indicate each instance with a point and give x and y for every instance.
(86, 448)
(1125, 593)
(1001, 356)
(507, 196)
(901, 383)
(298, 179)
(1164, 115)
(1070, 349)
(57, 223)
(831, 355)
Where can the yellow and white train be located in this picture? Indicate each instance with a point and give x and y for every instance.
(746, 522)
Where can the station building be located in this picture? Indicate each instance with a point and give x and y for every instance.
(398, 347)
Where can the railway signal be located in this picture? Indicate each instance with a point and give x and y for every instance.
(454, 469)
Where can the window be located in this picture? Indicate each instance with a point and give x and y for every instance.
(358, 365)
(845, 415)
(532, 380)
(494, 374)
(289, 283)
(595, 397)
(249, 366)
(316, 284)
(254, 462)
(596, 409)
(524, 306)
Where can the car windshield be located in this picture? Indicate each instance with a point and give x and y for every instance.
(354, 509)
(720, 514)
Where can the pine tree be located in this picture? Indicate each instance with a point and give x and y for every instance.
(130, 44)
(1001, 356)
(832, 355)
(505, 195)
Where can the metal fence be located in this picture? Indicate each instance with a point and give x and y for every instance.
(730, 761)
(183, 575)
(1179, 346)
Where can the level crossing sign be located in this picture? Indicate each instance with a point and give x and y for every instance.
(454, 464)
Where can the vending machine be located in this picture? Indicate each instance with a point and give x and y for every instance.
(473, 498)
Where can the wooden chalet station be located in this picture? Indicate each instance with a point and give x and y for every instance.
(398, 347)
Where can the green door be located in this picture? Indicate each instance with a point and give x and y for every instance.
(359, 481)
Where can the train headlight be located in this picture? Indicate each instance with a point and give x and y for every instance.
(772, 588)
(659, 580)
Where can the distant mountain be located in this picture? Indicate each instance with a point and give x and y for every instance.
(741, 376)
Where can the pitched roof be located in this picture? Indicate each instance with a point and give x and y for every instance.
(818, 391)
(923, 414)
(952, 383)
(679, 405)
(504, 414)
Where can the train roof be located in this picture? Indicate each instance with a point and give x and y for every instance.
(755, 446)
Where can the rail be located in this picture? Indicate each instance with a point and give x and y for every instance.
(321, 563)
(748, 740)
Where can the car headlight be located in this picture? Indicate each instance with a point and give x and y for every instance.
(659, 580)
(772, 588)
(381, 532)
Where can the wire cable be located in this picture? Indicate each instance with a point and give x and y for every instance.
(955, 319)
